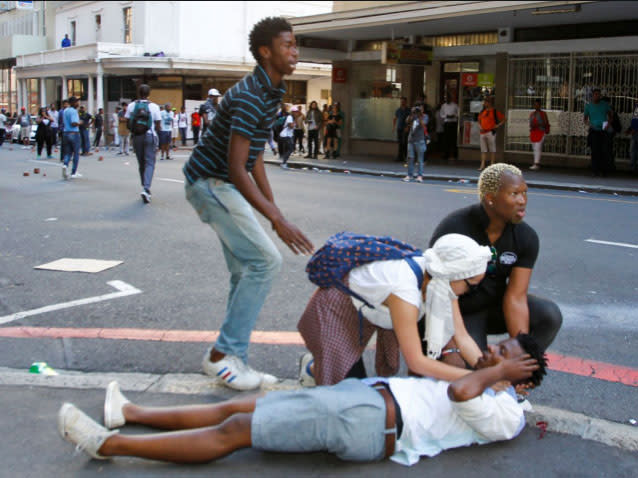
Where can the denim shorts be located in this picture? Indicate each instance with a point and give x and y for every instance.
(164, 137)
(346, 419)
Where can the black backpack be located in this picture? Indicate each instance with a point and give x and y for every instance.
(140, 121)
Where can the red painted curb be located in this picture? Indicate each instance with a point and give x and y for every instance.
(557, 362)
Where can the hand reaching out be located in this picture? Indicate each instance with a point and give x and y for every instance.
(293, 237)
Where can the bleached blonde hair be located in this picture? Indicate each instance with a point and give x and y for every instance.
(491, 179)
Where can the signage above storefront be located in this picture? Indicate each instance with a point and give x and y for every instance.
(339, 75)
(396, 53)
(469, 79)
(486, 80)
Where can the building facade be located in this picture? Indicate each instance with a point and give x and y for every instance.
(514, 51)
(180, 48)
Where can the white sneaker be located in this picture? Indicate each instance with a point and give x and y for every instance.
(65, 172)
(535, 167)
(406, 179)
(146, 197)
(306, 379)
(266, 378)
(76, 175)
(77, 428)
(233, 372)
(113, 404)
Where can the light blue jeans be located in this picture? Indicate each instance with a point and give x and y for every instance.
(251, 257)
(416, 149)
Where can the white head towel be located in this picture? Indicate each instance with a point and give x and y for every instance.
(453, 257)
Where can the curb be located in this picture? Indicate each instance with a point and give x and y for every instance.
(295, 164)
(559, 421)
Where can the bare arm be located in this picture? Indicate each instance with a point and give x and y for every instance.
(469, 350)
(404, 319)
(515, 308)
(238, 157)
(471, 386)
(259, 175)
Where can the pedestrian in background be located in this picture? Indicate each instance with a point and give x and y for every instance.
(417, 135)
(398, 125)
(86, 120)
(449, 116)
(65, 105)
(286, 136)
(43, 133)
(24, 120)
(538, 128)
(633, 131)
(3, 130)
(331, 135)
(314, 120)
(53, 113)
(175, 130)
(489, 120)
(113, 124)
(182, 123)
(208, 109)
(595, 116)
(143, 120)
(166, 128)
(122, 130)
(98, 124)
(322, 135)
(298, 132)
(71, 139)
(340, 120)
(195, 124)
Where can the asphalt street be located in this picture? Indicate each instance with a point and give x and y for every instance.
(177, 264)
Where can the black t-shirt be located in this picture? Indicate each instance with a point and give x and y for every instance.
(98, 121)
(517, 247)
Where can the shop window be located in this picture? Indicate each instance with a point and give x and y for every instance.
(73, 29)
(78, 88)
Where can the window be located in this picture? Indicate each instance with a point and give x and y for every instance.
(73, 28)
(128, 24)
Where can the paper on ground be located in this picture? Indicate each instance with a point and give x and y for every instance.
(79, 265)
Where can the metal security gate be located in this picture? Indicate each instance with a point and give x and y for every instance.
(564, 84)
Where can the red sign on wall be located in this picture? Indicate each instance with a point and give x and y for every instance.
(469, 79)
(339, 75)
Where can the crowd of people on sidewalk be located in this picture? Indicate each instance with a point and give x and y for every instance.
(434, 307)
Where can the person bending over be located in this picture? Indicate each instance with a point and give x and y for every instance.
(501, 302)
(401, 418)
(336, 335)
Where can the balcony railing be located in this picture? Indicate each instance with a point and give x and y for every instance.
(81, 53)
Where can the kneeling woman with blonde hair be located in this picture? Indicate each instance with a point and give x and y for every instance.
(337, 335)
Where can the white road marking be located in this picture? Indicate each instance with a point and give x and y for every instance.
(608, 243)
(180, 181)
(45, 163)
(123, 288)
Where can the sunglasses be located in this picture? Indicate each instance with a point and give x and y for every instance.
(492, 265)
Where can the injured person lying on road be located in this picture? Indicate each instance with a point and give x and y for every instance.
(356, 420)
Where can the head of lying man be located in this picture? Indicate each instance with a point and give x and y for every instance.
(518, 360)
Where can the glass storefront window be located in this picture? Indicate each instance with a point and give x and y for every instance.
(477, 82)
(378, 93)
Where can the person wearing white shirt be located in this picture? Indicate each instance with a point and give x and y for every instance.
(144, 119)
(450, 117)
(286, 145)
(336, 326)
(182, 124)
(175, 129)
(401, 419)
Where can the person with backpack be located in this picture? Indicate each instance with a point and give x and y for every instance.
(538, 128)
(489, 120)
(378, 284)
(143, 121)
(417, 134)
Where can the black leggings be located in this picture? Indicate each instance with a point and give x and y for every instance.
(545, 319)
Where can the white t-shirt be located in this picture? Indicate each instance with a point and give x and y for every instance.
(166, 121)
(175, 120)
(433, 423)
(153, 109)
(114, 121)
(377, 280)
(286, 131)
(182, 120)
(450, 109)
(3, 120)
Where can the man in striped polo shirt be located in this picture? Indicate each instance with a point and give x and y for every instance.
(219, 187)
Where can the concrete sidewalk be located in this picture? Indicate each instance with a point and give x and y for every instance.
(620, 183)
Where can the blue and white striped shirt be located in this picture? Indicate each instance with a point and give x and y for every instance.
(248, 109)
